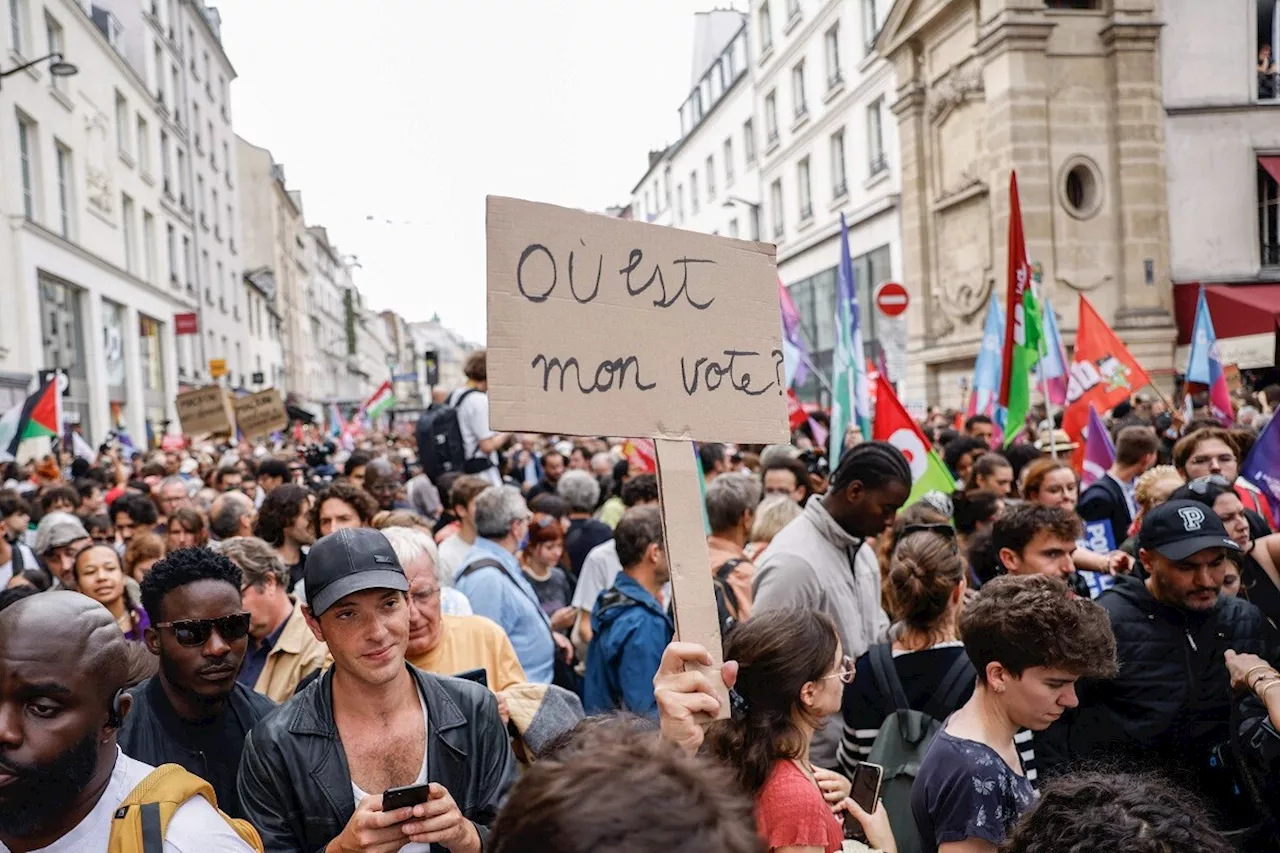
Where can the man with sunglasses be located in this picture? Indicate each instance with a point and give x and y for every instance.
(193, 712)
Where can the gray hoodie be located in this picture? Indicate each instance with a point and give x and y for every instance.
(813, 564)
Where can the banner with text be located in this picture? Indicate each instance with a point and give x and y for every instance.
(258, 415)
(204, 410)
(603, 326)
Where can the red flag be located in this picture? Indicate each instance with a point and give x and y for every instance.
(1103, 373)
(1019, 279)
(796, 414)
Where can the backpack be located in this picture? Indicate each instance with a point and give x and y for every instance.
(905, 736)
(727, 608)
(565, 673)
(139, 824)
(441, 449)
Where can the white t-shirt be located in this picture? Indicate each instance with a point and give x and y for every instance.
(412, 847)
(194, 828)
(452, 552)
(473, 421)
(28, 562)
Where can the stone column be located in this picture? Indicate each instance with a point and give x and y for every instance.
(914, 213)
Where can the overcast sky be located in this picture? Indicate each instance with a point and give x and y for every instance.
(411, 111)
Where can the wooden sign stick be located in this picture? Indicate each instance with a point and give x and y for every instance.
(694, 599)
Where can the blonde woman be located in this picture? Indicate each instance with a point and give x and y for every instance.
(774, 513)
(1150, 490)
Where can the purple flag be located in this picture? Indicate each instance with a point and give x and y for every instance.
(1262, 465)
(1099, 452)
(795, 353)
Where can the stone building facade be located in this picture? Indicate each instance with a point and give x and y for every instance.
(1071, 99)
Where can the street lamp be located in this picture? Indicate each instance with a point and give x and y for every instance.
(58, 67)
(734, 201)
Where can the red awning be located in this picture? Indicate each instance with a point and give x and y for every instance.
(1272, 165)
(1238, 311)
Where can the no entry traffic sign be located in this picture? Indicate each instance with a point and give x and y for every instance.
(891, 299)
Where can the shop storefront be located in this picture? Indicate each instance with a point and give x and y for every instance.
(62, 327)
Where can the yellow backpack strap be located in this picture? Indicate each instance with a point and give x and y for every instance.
(141, 820)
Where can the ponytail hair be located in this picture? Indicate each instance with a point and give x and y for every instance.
(778, 652)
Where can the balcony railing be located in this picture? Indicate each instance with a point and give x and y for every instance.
(841, 189)
(878, 165)
(1271, 254)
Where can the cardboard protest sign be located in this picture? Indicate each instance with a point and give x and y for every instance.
(204, 410)
(604, 326)
(261, 414)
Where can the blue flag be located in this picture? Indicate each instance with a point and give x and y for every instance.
(851, 400)
(986, 373)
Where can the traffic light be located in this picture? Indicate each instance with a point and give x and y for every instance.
(433, 368)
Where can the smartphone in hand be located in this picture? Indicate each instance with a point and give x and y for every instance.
(404, 796)
(866, 793)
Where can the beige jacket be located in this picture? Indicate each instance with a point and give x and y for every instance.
(296, 655)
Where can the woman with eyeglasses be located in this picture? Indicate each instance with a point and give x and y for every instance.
(1258, 577)
(100, 576)
(1051, 482)
(791, 676)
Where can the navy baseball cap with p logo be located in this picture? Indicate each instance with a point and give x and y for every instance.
(352, 559)
(1178, 529)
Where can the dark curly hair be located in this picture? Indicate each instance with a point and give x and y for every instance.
(181, 568)
(1027, 620)
(1090, 812)
(278, 511)
(344, 490)
(139, 508)
(1018, 525)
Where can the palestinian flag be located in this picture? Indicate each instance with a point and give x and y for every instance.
(382, 399)
(41, 416)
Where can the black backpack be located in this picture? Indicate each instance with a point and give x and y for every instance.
(441, 449)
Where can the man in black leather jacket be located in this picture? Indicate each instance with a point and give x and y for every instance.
(314, 771)
(1168, 708)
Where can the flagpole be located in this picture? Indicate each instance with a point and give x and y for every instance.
(1044, 387)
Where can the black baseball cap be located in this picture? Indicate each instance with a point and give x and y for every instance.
(351, 559)
(1178, 529)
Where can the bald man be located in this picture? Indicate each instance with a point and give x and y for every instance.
(61, 774)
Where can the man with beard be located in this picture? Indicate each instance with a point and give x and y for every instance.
(1168, 708)
(383, 481)
(62, 777)
(194, 712)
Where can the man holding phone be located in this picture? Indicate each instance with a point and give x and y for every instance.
(375, 755)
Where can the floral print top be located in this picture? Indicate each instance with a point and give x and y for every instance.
(966, 790)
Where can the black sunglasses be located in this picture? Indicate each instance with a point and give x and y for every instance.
(1200, 485)
(196, 632)
(941, 529)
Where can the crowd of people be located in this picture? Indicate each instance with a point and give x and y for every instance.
(291, 646)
